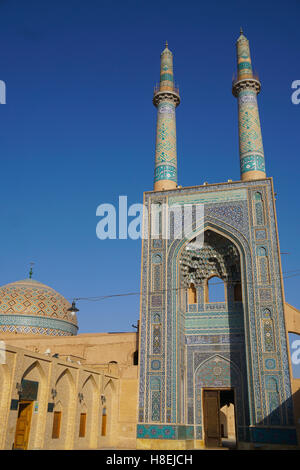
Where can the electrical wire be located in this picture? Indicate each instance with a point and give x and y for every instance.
(127, 294)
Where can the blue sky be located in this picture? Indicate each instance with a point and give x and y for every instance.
(78, 130)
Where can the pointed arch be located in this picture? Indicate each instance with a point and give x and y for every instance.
(258, 208)
(109, 386)
(66, 403)
(90, 380)
(174, 317)
(88, 417)
(218, 372)
(232, 235)
(219, 360)
(35, 370)
(34, 378)
(67, 374)
(109, 411)
(58, 406)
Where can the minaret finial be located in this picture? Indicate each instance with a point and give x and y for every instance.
(241, 31)
(167, 44)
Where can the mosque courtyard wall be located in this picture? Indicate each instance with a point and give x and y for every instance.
(73, 405)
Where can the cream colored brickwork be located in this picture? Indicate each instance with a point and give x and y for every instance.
(91, 372)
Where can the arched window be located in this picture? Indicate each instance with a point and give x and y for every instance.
(192, 294)
(65, 394)
(262, 251)
(263, 265)
(215, 291)
(258, 209)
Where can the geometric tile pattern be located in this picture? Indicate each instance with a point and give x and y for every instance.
(166, 68)
(259, 212)
(34, 331)
(165, 432)
(243, 57)
(165, 151)
(245, 88)
(155, 405)
(31, 307)
(250, 139)
(213, 345)
(165, 148)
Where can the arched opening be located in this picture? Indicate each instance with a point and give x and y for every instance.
(64, 408)
(214, 267)
(218, 386)
(263, 265)
(109, 414)
(89, 413)
(258, 209)
(32, 395)
(192, 294)
(23, 424)
(227, 418)
(215, 291)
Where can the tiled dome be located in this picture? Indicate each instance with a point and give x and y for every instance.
(30, 307)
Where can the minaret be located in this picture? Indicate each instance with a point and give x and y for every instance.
(245, 89)
(166, 99)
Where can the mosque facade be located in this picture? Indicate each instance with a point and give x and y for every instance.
(200, 370)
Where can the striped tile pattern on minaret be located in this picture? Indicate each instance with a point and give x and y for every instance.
(166, 99)
(245, 88)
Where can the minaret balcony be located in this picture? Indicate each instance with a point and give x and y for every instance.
(166, 92)
(239, 84)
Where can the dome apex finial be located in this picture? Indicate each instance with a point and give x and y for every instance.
(241, 30)
(31, 271)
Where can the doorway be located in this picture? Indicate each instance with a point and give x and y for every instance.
(23, 424)
(219, 418)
